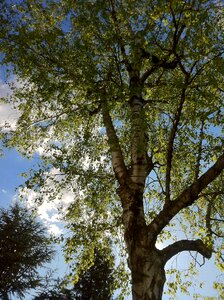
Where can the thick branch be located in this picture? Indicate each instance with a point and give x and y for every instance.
(115, 149)
(186, 245)
(186, 198)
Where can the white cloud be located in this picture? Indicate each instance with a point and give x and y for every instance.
(4, 191)
(54, 229)
(4, 90)
(8, 114)
(49, 210)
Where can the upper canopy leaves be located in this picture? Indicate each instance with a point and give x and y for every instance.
(81, 63)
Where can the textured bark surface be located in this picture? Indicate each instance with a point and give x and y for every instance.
(145, 261)
(148, 275)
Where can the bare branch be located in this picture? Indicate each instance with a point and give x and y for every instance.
(178, 29)
(186, 245)
(196, 261)
(160, 183)
(208, 218)
(216, 219)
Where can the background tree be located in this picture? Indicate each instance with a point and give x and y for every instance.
(94, 283)
(130, 86)
(24, 246)
(54, 292)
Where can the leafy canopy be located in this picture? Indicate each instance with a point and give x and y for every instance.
(75, 57)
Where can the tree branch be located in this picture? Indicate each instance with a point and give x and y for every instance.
(169, 155)
(115, 149)
(118, 32)
(199, 156)
(186, 245)
(147, 73)
(185, 199)
(215, 193)
(178, 29)
(208, 218)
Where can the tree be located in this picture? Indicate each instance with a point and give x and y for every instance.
(24, 247)
(94, 283)
(55, 292)
(132, 86)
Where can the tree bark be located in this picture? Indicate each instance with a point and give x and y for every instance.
(145, 261)
(148, 274)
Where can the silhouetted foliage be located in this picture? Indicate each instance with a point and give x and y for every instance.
(24, 246)
(94, 284)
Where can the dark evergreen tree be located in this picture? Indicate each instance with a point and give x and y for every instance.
(24, 246)
(54, 290)
(95, 283)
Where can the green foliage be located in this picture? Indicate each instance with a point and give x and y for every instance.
(73, 57)
(24, 246)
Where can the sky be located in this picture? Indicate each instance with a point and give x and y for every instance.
(12, 164)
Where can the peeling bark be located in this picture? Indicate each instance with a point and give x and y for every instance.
(141, 163)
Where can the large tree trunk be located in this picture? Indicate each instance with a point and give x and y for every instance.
(145, 260)
(148, 275)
